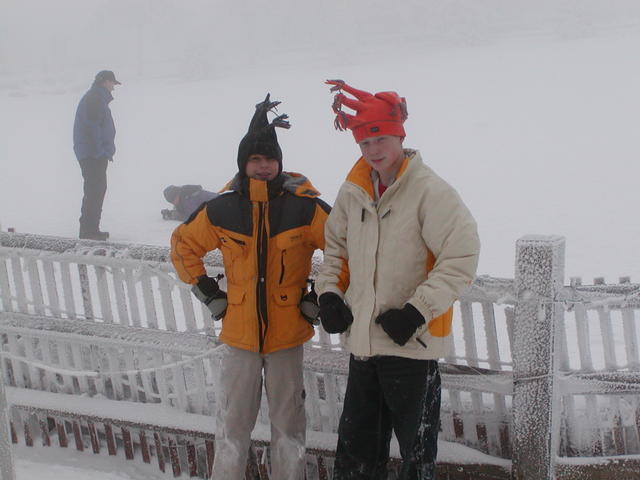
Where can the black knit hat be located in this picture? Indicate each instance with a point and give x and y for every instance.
(261, 137)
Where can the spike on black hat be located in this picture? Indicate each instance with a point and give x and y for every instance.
(261, 137)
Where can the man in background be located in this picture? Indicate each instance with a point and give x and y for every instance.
(93, 143)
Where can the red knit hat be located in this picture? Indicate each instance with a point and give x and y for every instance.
(376, 115)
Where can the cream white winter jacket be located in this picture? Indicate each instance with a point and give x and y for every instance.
(417, 244)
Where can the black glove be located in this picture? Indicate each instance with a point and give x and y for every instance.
(208, 286)
(309, 305)
(400, 325)
(334, 314)
(209, 293)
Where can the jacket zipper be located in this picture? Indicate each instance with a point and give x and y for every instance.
(261, 287)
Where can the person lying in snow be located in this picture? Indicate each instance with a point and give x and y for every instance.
(186, 199)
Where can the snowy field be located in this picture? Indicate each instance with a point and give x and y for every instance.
(530, 109)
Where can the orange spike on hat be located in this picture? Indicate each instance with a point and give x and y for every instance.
(381, 114)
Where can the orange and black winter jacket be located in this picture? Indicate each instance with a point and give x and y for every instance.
(267, 232)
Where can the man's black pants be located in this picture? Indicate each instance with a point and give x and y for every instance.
(94, 172)
(387, 392)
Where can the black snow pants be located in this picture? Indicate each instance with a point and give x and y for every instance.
(385, 393)
(94, 172)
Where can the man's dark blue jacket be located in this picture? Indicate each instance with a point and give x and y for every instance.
(93, 130)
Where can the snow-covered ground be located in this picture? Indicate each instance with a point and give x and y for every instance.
(33, 463)
(530, 109)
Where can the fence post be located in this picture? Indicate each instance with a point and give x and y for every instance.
(539, 276)
(6, 459)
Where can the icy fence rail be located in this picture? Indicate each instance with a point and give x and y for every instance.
(112, 320)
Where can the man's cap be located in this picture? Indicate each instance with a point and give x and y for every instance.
(103, 75)
(381, 114)
(261, 137)
(170, 193)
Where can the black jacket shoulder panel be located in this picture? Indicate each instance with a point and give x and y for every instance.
(288, 211)
(324, 205)
(232, 212)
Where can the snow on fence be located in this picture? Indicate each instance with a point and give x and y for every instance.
(539, 372)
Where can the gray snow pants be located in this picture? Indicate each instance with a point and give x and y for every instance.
(239, 403)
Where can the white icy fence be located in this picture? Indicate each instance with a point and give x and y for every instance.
(122, 288)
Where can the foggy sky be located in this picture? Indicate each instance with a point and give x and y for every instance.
(58, 41)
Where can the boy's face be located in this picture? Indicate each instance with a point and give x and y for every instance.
(261, 167)
(383, 153)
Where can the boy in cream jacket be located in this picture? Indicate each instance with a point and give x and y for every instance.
(401, 246)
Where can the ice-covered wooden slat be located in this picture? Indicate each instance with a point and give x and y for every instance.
(591, 439)
(85, 291)
(5, 289)
(610, 361)
(103, 294)
(178, 382)
(47, 358)
(583, 334)
(160, 376)
(491, 335)
(497, 427)
(147, 383)
(471, 352)
(606, 330)
(30, 355)
(206, 314)
(132, 378)
(51, 287)
(79, 364)
(167, 304)
(17, 366)
(331, 392)
(114, 368)
(469, 333)
(65, 357)
(67, 290)
(18, 282)
(631, 338)
(200, 401)
(120, 297)
(149, 304)
(187, 310)
(133, 297)
(313, 400)
(35, 285)
(96, 365)
(93, 436)
(510, 318)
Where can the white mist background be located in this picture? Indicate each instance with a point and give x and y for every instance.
(529, 108)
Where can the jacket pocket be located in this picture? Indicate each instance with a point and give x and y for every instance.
(285, 318)
(233, 324)
(234, 253)
(291, 246)
(288, 297)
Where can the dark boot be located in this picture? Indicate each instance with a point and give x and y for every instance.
(101, 236)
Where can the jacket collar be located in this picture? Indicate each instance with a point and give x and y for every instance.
(103, 92)
(361, 173)
(263, 191)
